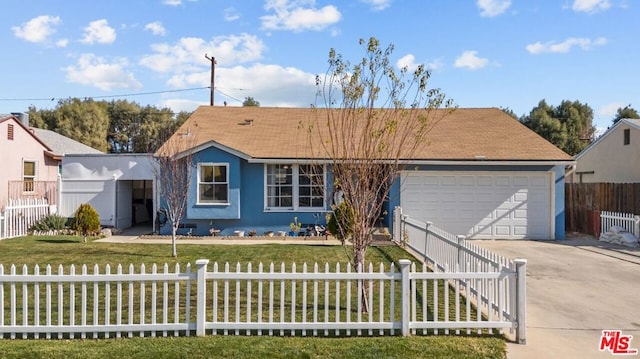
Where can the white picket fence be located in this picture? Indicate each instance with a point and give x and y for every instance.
(628, 221)
(444, 251)
(232, 300)
(20, 214)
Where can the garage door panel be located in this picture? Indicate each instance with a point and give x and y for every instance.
(484, 181)
(505, 205)
(504, 231)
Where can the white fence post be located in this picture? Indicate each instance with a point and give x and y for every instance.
(201, 296)
(636, 226)
(426, 240)
(461, 262)
(406, 298)
(397, 218)
(521, 300)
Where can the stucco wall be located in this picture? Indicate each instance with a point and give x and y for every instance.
(611, 160)
(23, 147)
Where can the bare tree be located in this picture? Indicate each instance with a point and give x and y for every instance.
(374, 118)
(174, 172)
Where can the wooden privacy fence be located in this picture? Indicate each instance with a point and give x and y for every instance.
(505, 298)
(584, 201)
(232, 300)
(20, 214)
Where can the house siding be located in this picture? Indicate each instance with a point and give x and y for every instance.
(246, 210)
(231, 210)
(23, 147)
(560, 228)
(609, 160)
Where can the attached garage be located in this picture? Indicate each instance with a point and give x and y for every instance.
(482, 205)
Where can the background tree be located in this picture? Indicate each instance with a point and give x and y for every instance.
(365, 129)
(569, 126)
(130, 128)
(84, 121)
(174, 172)
(626, 112)
(249, 101)
(124, 117)
(509, 112)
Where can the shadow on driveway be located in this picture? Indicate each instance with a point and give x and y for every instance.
(575, 289)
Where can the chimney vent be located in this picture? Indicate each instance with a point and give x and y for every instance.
(23, 117)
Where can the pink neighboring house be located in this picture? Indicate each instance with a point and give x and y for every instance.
(25, 160)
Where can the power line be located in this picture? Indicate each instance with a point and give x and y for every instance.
(231, 97)
(107, 96)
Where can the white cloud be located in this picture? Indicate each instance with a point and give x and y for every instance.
(62, 43)
(298, 15)
(37, 29)
(156, 28)
(172, 2)
(611, 109)
(378, 5)
(470, 60)
(590, 6)
(271, 85)
(436, 64)
(99, 31)
(491, 8)
(230, 14)
(96, 71)
(178, 105)
(565, 46)
(408, 61)
(187, 55)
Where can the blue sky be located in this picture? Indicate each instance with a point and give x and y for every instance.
(484, 53)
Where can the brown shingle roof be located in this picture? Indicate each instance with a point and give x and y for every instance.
(464, 134)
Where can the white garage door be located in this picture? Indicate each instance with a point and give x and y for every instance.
(481, 205)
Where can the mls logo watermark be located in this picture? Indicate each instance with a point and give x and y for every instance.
(617, 343)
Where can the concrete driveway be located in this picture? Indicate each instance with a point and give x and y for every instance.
(575, 289)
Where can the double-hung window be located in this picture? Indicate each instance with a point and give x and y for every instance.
(293, 186)
(213, 183)
(28, 176)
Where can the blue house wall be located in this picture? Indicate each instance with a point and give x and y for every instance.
(246, 208)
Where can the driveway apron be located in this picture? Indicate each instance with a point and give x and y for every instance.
(576, 288)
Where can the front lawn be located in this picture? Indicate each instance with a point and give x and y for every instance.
(67, 250)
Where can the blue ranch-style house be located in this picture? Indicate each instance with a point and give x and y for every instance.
(483, 175)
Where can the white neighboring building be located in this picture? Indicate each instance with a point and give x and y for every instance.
(613, 158)
(121, 187)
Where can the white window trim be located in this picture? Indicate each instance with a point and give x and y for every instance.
(295, 174)
(35, 174)
(220, 164)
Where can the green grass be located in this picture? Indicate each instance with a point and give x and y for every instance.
(67, 250)
(258, 347)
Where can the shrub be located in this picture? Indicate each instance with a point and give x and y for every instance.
(52, 222)
(86, 221)
(340, 223)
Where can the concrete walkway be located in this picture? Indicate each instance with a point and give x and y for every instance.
(139, 236)
(575, 289)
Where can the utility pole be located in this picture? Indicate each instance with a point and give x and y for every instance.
(213, 72)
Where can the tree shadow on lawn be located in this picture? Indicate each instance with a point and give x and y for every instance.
(59, 241)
